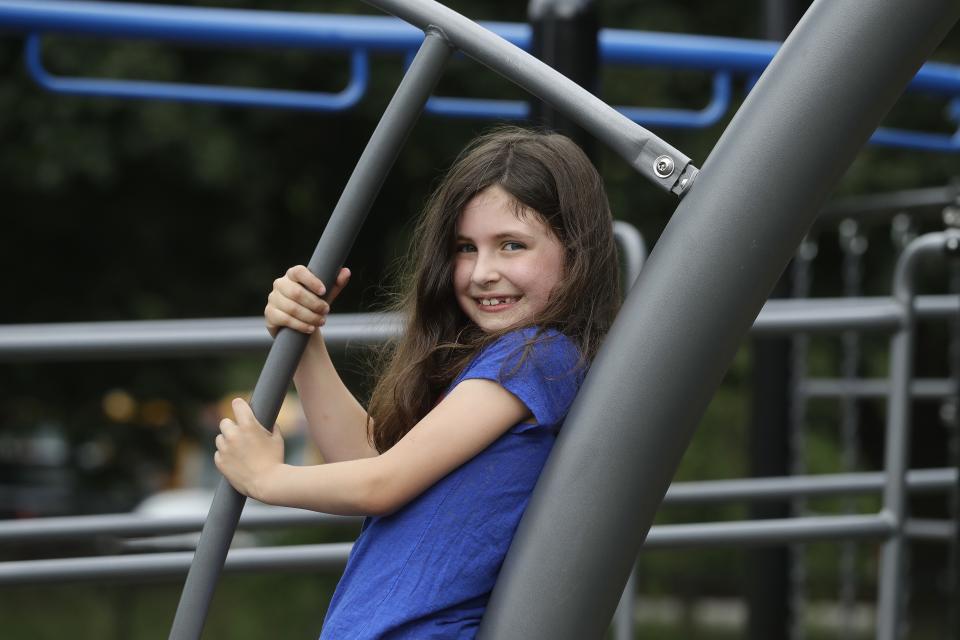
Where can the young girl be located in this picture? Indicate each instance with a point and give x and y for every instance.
(514, 283)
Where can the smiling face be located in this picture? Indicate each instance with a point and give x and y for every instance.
(505, 266)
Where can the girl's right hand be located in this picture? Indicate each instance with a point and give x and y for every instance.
(297, 300)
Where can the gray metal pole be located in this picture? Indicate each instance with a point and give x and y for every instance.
(650, 156)
(705, 282)
(52, 530)
(334, 245)
(897, 447)
(67, 341)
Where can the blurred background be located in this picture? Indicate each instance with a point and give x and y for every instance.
(152, 210)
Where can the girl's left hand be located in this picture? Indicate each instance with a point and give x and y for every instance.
(247, 454)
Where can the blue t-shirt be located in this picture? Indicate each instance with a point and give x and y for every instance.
(427, 570)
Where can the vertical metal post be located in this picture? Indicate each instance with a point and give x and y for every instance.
(950, 414)
(565, 37)
(897, 445)
(853, 245)
(623, 617)
(802, 274)
(331, 251)
(633, 251)
(767, 576)
(706, 280)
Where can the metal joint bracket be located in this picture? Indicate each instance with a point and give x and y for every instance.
(666, 167)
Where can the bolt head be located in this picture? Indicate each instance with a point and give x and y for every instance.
(663, 166)
(952, 245)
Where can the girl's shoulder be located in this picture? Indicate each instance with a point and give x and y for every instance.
(543, 352)
(541, 367)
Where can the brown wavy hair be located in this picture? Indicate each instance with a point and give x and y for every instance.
(547, 175)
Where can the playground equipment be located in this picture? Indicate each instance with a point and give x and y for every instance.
(754, 201)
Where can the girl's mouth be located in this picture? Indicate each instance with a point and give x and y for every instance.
(496, 304)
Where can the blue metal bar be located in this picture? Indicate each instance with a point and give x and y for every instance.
(920, 140)
(209, 94)
(249, 28)
(452, 107)
(254, 28)
(684, 118)
(376, 33)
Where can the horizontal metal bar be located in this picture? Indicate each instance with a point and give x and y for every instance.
(927, 529)
(255, 28)
(176, 338)
(202, 93)
(787, 487)
(921, 388)
(332, 557)
(770, 532)
(780, 316)
(687, 118)
(182, 338)
(884, 205)
(172, 565)
(222, 336)
(912, 139)
(41, 530)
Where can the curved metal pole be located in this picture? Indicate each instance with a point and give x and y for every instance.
(706, 280)
(331, 251)
(650, 156)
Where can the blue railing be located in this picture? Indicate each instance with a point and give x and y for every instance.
(359, 36)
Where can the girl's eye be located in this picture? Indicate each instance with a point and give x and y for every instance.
(465, 248)
(513, 246)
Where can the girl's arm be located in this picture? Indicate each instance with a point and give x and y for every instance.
(474, 414)
(337, 422)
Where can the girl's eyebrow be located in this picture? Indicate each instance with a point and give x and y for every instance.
(501, 236)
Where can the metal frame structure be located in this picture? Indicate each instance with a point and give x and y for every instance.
(777, 317)
(754, 202)
(359, 37)
(851, 218)
(754, 199)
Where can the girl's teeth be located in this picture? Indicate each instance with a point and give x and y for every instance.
(490, 302)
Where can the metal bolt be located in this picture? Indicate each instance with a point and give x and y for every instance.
(951, 216)
(952, 245)
(808, 249)
(663, 166)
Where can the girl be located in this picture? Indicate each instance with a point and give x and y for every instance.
(513, 284)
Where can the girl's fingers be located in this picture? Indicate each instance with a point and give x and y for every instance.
(297, 292)
(277, 318)
(342, 279)
(315, 316)
(304, 277)
(243, 412)
(297, 302)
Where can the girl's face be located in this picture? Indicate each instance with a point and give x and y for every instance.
(505, 267)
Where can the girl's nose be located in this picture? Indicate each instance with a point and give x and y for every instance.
(485, 270)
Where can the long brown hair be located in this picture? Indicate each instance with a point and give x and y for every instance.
(548, 176)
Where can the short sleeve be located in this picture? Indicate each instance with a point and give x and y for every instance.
(543, 371)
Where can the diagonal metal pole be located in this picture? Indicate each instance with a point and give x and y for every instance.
(652, 157)
(716, 262)
(331, 252)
